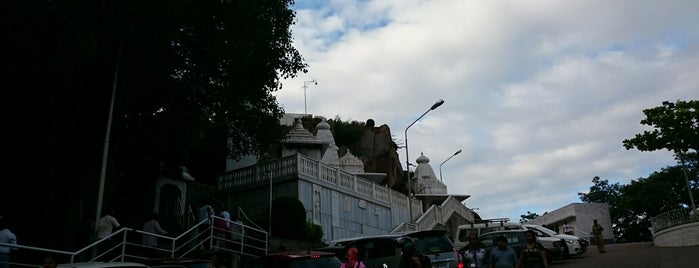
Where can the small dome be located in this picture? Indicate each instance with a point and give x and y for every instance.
(323, 124)
(422, 159)
(351, 163)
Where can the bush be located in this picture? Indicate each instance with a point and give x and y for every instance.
(314, 232)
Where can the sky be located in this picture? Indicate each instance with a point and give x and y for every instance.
(538, 95)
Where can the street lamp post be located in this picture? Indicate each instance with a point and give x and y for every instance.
(105, 151)
(269, 173)
(440, 165)
(305, 86)
(407, 156)
(671, 105)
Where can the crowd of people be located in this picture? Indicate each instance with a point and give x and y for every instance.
(227, 228)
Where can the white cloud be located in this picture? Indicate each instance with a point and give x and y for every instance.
(538, 94)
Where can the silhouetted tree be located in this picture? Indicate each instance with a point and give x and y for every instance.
(192, 78)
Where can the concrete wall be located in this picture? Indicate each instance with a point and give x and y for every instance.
(678, 236)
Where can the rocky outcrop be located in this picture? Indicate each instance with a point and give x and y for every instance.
(378, 152)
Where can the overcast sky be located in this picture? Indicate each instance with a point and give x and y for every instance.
(539, 95)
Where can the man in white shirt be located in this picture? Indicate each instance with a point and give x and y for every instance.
(107, 225)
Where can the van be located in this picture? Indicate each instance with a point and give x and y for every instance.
(462, 232)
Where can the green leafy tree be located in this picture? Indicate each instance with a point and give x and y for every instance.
(314, 232)
(676, 128)
(645, 198)
(631, 206)
(602, 192)
(528, 217)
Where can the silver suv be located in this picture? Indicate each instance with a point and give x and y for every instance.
(383, 251)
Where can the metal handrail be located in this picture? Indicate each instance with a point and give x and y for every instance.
(253, 242)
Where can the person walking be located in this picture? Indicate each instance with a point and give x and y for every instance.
(567, 229)
(206, 212)
(222, 228)
(107, 225)
(597, 232)
(152, 227)
(533, 253)
(412, 258)
(502, 256)
(472, 254)
(352, 259)
(7, 237)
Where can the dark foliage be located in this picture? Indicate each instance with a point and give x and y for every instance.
(633, 205)
(346, 133)
(288, 218)
(314, 232)
(190, 77)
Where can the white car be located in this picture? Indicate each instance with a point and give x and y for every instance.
(462, 231)
(576, 245)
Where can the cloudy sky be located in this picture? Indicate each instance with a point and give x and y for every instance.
(539, 95)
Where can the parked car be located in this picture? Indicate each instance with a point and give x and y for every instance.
(176, 263)
(576, 245)
(384, 250)
(556, 248)
(99, 264)
(336, 246)
(298, 259)
(462, 231)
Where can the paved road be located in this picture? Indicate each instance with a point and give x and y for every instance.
(634, 255)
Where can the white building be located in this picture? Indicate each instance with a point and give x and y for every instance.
(337, 194)
(580, 217)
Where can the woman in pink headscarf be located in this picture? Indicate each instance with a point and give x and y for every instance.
(352, 260)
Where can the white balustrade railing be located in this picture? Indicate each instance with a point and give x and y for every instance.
(310, 169)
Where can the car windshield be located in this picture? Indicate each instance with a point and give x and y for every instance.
(432, 243)
(545, 230)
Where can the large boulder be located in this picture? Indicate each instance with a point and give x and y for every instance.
(378, 152)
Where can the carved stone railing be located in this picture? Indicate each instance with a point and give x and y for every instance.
(299, 166)
(675, 228)
(673, 218)
(308, 168)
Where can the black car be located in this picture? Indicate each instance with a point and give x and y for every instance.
(384, 250)
(298, 259)
(556, 248)
(177, 263)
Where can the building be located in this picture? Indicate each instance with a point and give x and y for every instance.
(336, 191)
(579, 216)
